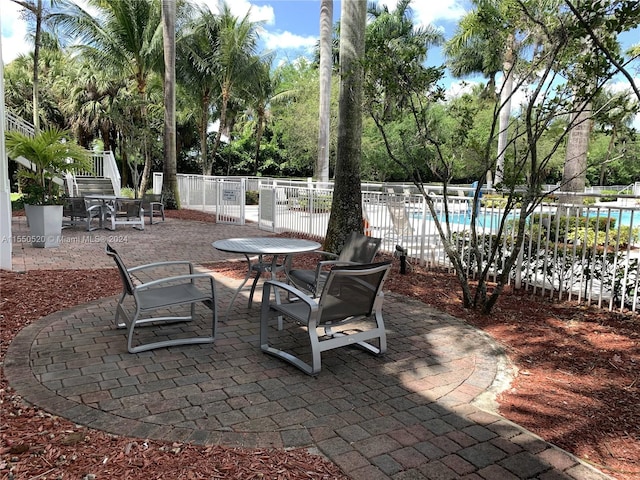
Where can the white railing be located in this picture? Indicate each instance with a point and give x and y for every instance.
(104, 163)
(110, 170)
(103, 166)
(14, 123)
(560, 257)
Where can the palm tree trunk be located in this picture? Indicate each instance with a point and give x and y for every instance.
(575, 164)
(505, 108)
(575, 167)
(223, 121)
(326, 19)
(169, 177)
(36, 68)
(259, 131)
(346, 208)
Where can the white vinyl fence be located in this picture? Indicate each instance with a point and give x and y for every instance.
(585, 253)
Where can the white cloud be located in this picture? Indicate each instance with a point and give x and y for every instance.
(460, 87)
(239, 8)
(14, 32)
(287, 40)
(623, 86)
(427, 12)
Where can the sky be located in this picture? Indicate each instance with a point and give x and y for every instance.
(290, 28)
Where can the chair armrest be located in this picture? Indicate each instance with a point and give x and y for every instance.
(327, 254)
(326, 263)
(91, 208)
(161, 264)
(177, 278)
(293, 290)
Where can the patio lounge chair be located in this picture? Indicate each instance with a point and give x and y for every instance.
(351, 294)
(162, 293)
(79, 211)
(357, 249)
(125, 211)
(153, 203)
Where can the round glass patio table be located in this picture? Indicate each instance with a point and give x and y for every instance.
(255, 249)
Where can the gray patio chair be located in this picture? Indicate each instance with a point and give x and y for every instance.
(125, 211)
(162, 294)
(79, 211)
(153, 203)
(351, 294)
(357, 249)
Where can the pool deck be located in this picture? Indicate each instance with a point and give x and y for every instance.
(425, 410)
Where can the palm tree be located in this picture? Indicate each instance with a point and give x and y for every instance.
(36, 9)
(346, 208)
(88, 96)
(124, 39)
(234, 61)
(169, 178)
(485, 43)
(258, 93)
(326, 68)
(197, 67)
(391, 35)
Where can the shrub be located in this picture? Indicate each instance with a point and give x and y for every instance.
(252, 197)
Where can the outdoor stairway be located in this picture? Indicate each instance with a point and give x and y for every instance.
(93, 185)
(106, 182)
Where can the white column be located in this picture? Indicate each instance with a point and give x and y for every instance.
(6, 244)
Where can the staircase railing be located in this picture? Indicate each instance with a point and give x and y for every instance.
(14, 123)
(104, 163)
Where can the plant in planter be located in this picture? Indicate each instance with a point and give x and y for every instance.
(52, 153)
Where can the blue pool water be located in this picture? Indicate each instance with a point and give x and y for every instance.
(487, 220)
(492, 220)
(623, 217)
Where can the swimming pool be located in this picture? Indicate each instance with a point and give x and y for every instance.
(488, 219)
(622, 217)
(484, 219)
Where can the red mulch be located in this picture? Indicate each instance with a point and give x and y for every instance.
(577, 386)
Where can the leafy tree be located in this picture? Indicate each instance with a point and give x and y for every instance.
(125, 39)
(198, 63)
(295, 115)
(258, 93)
(489, 39)
(234, 57)
(53, 64)
(40, 12)
(548, 101)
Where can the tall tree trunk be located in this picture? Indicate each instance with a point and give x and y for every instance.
(260, 121)
(223, 120)
(575, 165)
(169, 168)
(204, 123)
(326, 21)
(505, 108)
(346, 208)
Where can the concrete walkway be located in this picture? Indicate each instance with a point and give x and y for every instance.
(423, 411)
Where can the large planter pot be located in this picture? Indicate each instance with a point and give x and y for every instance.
(45, 225)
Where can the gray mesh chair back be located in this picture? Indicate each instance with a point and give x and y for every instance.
(351, 294)
(358, 249)
(79, 211)
(125, 211)
(153, 203)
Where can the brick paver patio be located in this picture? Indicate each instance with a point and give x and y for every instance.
(423, 411)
